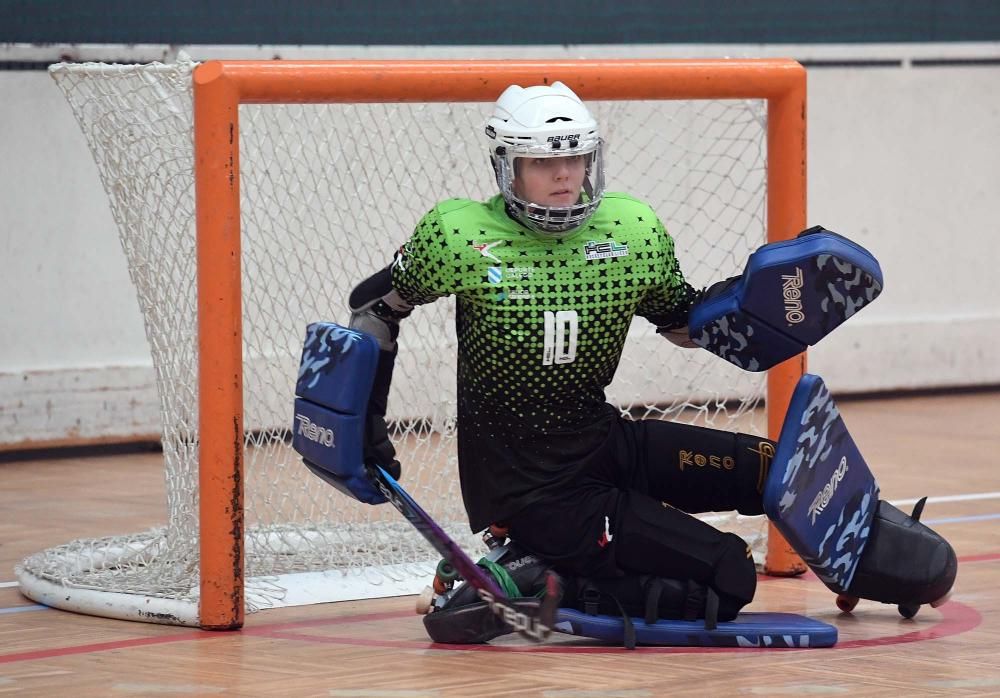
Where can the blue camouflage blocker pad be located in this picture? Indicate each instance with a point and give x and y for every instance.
(337, 367)
(335, 380)
(819, 492)
(775, 630)
(791, 295)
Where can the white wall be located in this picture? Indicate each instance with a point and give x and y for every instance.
(907, 162)
(904, 160)
(74, 364)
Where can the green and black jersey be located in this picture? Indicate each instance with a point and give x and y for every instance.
(541, 323)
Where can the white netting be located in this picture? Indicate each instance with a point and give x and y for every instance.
(328, 192)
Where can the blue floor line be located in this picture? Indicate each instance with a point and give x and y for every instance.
(22, 609)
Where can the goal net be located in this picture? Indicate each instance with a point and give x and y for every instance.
(327, 193)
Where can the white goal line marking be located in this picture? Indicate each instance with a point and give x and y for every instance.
(715, 517)
(948, 498)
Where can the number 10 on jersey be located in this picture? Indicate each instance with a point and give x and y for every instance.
(560, 337)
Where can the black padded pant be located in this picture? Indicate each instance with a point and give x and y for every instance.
(628, 512)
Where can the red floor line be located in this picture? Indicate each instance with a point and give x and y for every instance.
(954, 621)
(987, 557)
(956, 618)
(105, 646)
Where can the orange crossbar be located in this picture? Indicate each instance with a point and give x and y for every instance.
(221, 86)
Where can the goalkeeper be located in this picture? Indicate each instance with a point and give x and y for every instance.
(548, 275)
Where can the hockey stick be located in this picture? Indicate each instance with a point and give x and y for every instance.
(531, 618)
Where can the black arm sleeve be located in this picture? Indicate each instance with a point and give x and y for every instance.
(376, 308)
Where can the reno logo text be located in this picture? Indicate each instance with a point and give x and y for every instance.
(824, 496)
(314, 432)
(791, 289)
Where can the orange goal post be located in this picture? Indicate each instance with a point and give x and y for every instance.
(284, 224)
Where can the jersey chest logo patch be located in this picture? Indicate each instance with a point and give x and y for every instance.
(514, 294)
(605, 250)
(485, 247)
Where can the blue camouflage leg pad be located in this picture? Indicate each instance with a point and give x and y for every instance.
(334, 383)
(775, 630)
(819, 492)
(791, 294)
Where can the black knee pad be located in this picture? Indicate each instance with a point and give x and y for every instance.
(735, 573)
(661, 541)
(460, 617)
(904, 561)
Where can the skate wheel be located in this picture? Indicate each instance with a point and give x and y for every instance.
(439, 586)
(908, 610)
(499, 532)
(424, 601)
(446, 572)
(846, 603)
(942, 601)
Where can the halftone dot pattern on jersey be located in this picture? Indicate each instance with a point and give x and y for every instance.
(541, 320)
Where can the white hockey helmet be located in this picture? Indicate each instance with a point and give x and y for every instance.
(545, 121)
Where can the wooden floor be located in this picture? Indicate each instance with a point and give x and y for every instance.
(944, 446)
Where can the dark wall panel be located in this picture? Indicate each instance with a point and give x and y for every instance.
(469, 22)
